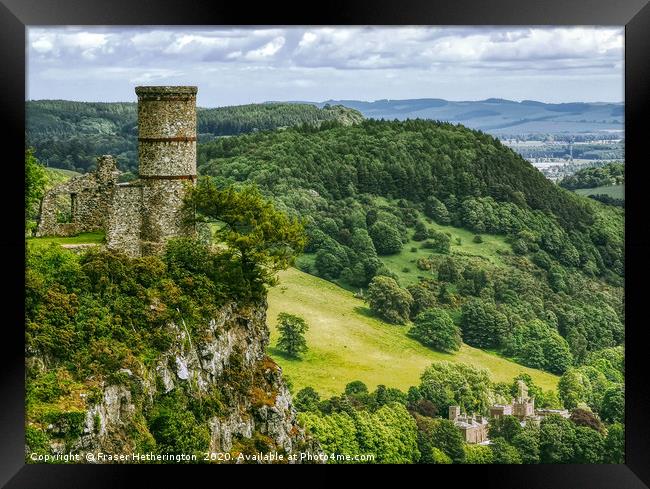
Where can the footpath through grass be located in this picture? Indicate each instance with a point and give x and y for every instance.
(347, 343)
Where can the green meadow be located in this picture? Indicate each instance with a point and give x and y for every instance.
(347, 343)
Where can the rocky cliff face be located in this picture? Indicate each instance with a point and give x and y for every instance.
(244, 403)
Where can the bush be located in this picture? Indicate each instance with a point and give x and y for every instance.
(477, 238)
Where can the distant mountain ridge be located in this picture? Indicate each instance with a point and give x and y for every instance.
(500, 117)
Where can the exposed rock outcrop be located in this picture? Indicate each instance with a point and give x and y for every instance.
(226, 362)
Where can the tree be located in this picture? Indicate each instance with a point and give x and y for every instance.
(266, 240)
(328, 265)
(421, 231)
(506, 427)
(440, 242)
(574, 387)
(362, 244)
(441, 434)
(389, 300)
(387, 395)
(292, 334)
(446, 384)
(448, 270)
(557, 354)
(584, 417)
(435, 328)
(475, 280)
(424, 297)
(307, 399)
(478, 454)
(355, 388)
(556, 440)
(390, 433)
(613, 405)
(177, 430)
(537, 344)
(436, 210)
(588, 447)
(503, 452)
(614, 446)
(527, 444)
(386, 238)
(336, 433)
(482, 324)
(35, 181)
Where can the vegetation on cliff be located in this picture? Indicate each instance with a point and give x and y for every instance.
(98, 319)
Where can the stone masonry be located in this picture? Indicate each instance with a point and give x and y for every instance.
(138, 216)
(88, 198)
(144, 214)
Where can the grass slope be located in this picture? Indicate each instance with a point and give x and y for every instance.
(407, 259)
(346, 343)
(57, 176)
(82, 238)
(614, 191)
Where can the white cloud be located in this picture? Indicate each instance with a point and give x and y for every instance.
(338, 62)
(193, 43)
(43, 44)
(266, 51)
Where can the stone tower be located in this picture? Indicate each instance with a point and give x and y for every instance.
(454, 412)
(147, 212)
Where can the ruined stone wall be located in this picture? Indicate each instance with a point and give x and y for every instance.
(139, 217)
(90, 197)
(125, 219)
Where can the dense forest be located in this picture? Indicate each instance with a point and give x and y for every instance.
(70, 135)
(367, 190)
(412, 427)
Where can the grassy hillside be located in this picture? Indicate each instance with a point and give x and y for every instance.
(346, 343)
(614, 191)
(57, 176)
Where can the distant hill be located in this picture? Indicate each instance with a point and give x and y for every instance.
(70, 135)
(499, 117)
(409, 200)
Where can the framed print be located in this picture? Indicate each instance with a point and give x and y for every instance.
(398, 235)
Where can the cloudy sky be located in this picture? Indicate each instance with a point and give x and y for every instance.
(245, 65)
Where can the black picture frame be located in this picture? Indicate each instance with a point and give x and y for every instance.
(15, 15)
